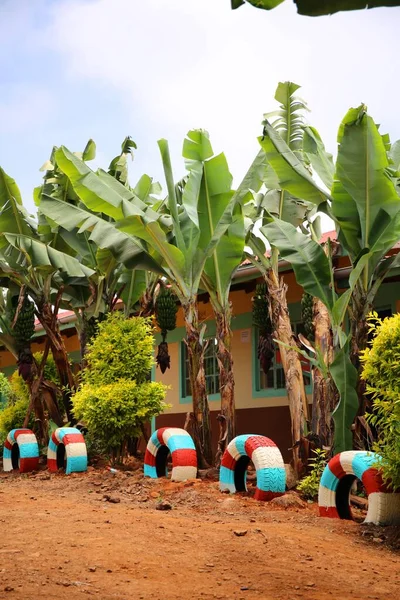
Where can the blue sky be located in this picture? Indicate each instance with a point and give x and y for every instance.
(75, 69)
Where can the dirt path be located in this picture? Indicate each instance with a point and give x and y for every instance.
(61, 539)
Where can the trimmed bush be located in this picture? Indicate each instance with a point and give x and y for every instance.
(115, 411)
(116, 397)
(381, 371)
(122, 349)
(5, 390)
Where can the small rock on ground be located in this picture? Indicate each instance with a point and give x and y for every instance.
(289, 500)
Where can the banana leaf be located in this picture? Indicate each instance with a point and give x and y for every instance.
(345, 376)
(361, 168)
(292, 174)
(13, 216)
(309, 262)
(42, 256)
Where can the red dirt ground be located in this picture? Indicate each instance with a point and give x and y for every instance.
(62, 539)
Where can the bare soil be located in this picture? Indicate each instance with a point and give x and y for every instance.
(100, 534)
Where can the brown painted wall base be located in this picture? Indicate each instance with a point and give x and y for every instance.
(273, 422)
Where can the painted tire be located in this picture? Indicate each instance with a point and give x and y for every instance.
(267, 459)
(337, 479)
(26, 442)
(70, 442)
(177, 442)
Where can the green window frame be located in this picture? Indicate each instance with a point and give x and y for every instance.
(211, 372)
(273, 383)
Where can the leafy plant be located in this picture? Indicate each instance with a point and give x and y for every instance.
(381, 371)
(316, 8)
(13, 416)
(116, 398)
(365, 205)
(5, 390)
(19, 389)
(115, 411)
(309, 485)
(122, 349)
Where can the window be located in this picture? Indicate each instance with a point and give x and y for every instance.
(210, 367)
(275, 378)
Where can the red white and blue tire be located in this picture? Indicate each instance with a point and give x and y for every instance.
(267, 460)
(179, 443)
(75, 450)
(336, 481)
(28, 450)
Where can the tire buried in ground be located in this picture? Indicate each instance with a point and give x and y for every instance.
(267, 460)
(67, 450)
(338, 478)
(181, 446)
(21, 451)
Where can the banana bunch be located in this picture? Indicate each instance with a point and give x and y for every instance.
(307, 315)
(24, 327)
(261, 319)
(260, 309)
(165, 310)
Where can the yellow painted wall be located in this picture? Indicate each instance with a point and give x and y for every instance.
(241, 351)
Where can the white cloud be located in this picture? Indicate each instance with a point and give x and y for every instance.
(179, 64)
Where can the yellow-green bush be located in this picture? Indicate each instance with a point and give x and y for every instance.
(381, 371)
(122, 349)
(115, 411)
(12, 417)
(19, 389)
(13, 414)
(5, 390)
(116, 396)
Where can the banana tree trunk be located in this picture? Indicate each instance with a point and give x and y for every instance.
(41, 393)
(359, 309)
(201, 412)
(291, 364)
(325, 396)
(33, 381)
(49, 321)
(227, 417)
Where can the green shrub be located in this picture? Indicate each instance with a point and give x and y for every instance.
(19, 389)
(381, 371)
(115, 411)
(116, 397)
(309, 485)
(5, 390)
(122, 349)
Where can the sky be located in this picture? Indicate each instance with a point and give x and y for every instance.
(103, 69)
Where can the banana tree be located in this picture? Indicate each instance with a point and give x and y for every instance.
(216, 279)
(169, 235)
(365, 204)
(92, 298)
(288, 127)
(38, 268)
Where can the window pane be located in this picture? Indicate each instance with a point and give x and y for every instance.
(210, 369)
(275, 378)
